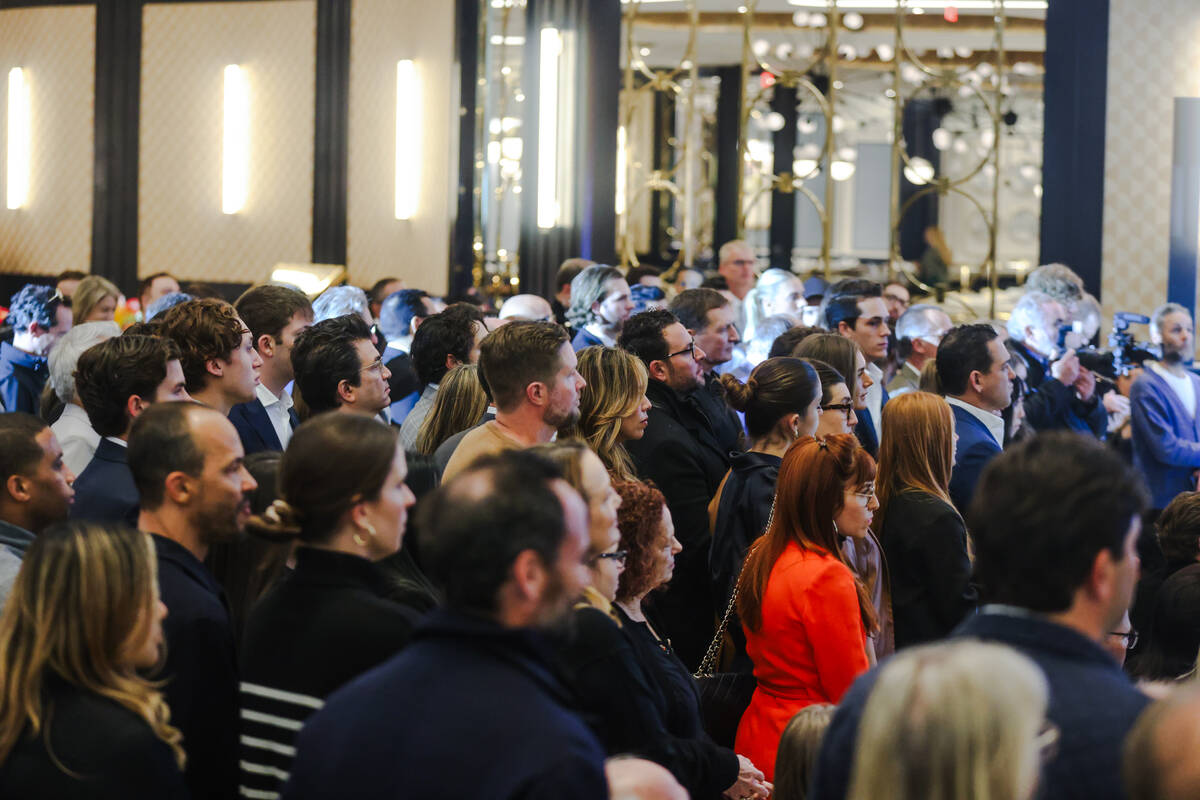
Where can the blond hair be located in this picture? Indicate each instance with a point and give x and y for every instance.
(458, 405)
(916, 452)
(798, 749)
(88, 294)
(86, 593)
(951, 721)
(616, 383)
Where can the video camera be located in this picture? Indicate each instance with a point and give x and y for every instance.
(1123, 353)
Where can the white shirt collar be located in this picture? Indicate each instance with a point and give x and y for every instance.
(993, 422)
(268, 398)
(115, 440)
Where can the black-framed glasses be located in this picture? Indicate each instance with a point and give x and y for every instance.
(618, 556)
(690, 350)
(1129, 637)
(846, 408)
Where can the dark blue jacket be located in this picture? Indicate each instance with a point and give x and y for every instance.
(584, 339)
(22, 377)
(1166, 439)
(254, 426)
(867, 431)
(1092, 702)
(974, 450)
(1051, 405)
(105, 491)
(469, 709)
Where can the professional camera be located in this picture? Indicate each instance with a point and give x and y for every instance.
(1123, 353)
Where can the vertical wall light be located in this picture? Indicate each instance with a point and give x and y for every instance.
(235, 152)
(408, 139)
(550, 53)
(622, 166)
(19, 137)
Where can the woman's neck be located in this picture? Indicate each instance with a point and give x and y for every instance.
(633, 608)
(771, 446)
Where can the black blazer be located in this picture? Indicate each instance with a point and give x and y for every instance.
(104, 491)
(867, 431)
(683, 455)
(254, 426)
(112, 751)
(925, 543)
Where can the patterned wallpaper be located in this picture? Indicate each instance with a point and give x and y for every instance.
(185, 48)
(1153, 57)
(378, 245)
(56, 48)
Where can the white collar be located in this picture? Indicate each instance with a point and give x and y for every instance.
(115, 440)
(268, 398)
(993, 422)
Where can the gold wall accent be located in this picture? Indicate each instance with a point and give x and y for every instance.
(56, 48)
(185, 48)
(379, 245)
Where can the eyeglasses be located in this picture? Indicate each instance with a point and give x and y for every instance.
(60, 297)
(618, 556)
(866, 494)
(1130, 638)
(690, 350)
(846, 408)
(376, 365)
(895, 298)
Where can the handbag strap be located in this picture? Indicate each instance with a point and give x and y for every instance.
(708, 666)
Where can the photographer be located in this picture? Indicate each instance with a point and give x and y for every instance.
(1061, 394)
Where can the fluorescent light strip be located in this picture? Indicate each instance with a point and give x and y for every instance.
(547, 179)
(408, 139)
(235, 152)
(622, 166)
(961, 5)
(19, 136)
(509, 40)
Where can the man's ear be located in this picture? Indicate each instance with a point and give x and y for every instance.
(345, 392)
(135, 406)
(529, 576)
(844, 328)
(975, 380)
(451, 362)
(537, 393)
(657, 370)
(178, 488)
(37, 329)
(1101, 582)
(215, 367)
(265, 346)
(18, 488)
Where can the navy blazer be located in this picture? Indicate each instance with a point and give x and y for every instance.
(105, 491)
(468, 709)
(866, 431)
(1092, 702)
(1166, 439)
(254, 426)
(974, 450)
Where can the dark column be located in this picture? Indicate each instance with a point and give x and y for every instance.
(1075, 94)
(115, 171)
(783, 203)
(662, 203)
(598, 133)
(729, 125)
(462, 236)
(921, 119)
(1185, 205)
(330, 145)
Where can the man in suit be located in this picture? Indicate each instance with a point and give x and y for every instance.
(216, 351)
(338, 368)
(275, 316)
(186, 461)
(39, 317)
(682, 454)
(855, 309)
(117, 381)
(1055, 527)
(400, 315)
(507, 538)
(976, 378)
(918, 334)
(709, 318)
(443, 341)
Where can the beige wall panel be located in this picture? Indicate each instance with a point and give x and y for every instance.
(1153, 57)
(56, 48)
(416, 250)
(185, 48)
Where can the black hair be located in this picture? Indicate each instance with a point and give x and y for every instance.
(841, 300)
(268, 309)
(114, 370)
(446, 334)
(777, 387)
(1174, 635)
(34, 303)
(161, 442)
(397, 310)
(1042, 511)
(785, 344)
(19, 450)
(469, 539)
(324, 355)
(642, 334)
(964, 349)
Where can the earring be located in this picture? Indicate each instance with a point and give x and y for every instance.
(359, 540)
(836, 532)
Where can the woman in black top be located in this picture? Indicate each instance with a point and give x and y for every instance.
(76, 718)
(923, 536)
(343, 499)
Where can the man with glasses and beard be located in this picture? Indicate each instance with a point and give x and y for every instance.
(187, 464)
(684, 457)
(530, 368)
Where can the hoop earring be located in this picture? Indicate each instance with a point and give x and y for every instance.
(359, 540)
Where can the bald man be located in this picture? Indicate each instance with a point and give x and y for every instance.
(527, 307)
(1160, 753)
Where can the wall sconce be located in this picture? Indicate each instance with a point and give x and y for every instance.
(408, 139)
(235, 152)
(556, 116)
(18, 139)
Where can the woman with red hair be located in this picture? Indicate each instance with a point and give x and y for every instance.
(805, 614)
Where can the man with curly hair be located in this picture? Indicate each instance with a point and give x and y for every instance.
(216, 350)
(39, 317)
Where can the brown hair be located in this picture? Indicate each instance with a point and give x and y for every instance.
(916, 451)
(836, 351)
(616, 383)
(1178, 528)
(640, 519)
(88, 294)
(810, 491)
(203, 330)
(459, 404)
(518, 354)
(796, 759)
(777, 387)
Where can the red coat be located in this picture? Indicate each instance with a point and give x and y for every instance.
(810, 647)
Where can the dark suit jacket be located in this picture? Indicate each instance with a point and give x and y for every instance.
(467, 709)
(974, 450)
(404, 384)
(1092, 702)
(254, 426)
(1049, 405)
(681, 453)
(201, 671)
(22, 377)
(112, 751)
(104, 491)
(925, 542)
(866, 430)
(725, 422)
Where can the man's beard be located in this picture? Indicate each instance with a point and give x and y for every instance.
(1172, 357)
(560, 420)
(216, 524)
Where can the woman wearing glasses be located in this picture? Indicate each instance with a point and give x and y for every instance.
(844, 356)
(837, 408)
(805, 614)
(922, 534)
(616, 688)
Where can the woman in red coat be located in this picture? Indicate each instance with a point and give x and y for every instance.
(805, 615)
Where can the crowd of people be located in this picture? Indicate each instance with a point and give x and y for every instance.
(710, 535)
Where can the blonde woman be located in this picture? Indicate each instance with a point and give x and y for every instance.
(954, 721)
(923, 536)
(95, 300)
(613, 408)
(76, 717)
(459, 404)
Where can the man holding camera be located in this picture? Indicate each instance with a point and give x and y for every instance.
(1060, 394)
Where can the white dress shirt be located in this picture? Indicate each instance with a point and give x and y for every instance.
(993, 422)
(277, 411)
(76, 437)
